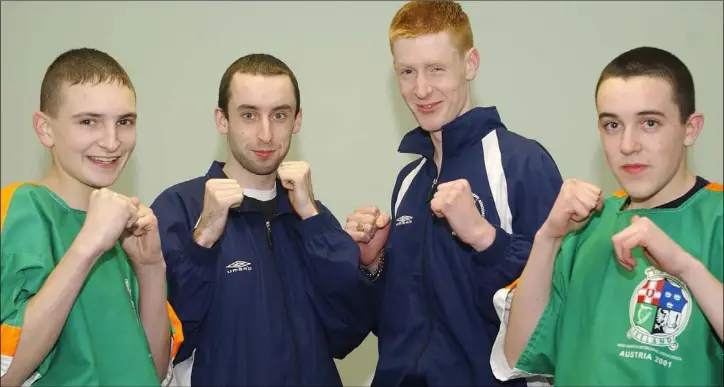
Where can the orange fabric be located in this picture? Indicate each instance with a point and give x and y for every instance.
(6, 195)
(9, 337)
(619, 194)
(178, 336)
(513, 285)
(716, 187)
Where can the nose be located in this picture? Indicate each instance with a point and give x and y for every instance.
(630, 141)
(265, 134)
(109, 139)
(422, 87)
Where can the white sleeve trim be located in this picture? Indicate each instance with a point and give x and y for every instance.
(498, 363)
(5, 365)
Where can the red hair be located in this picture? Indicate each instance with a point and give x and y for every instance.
(423, 17)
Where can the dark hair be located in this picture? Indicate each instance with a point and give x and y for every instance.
(79, 66)
(255, 64)
(655, 62)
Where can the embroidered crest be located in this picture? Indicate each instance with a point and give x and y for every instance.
(660, 309)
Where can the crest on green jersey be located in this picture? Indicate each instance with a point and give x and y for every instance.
(660, 309)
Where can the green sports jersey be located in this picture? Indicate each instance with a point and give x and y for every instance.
(606, 326)
(103, 342)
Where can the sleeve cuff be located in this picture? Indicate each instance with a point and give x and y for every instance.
(204, 256)
(496, 250)
(316, 224)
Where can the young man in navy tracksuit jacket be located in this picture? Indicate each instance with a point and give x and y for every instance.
(265, 281)
(464, 214)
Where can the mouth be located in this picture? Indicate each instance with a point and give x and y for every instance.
(263, 153)
(634, 169)
(429, 108)
(105, 162)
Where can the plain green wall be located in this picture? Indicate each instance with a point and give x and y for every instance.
(540, 63)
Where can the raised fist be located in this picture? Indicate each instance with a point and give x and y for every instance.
(572, 210)
(220, 195)
(370, 229)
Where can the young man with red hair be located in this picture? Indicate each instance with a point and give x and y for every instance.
(465, 213)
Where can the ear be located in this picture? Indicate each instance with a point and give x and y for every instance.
(693, 128)
(297, 122)
(42, 127)
(472, 63)
(222, 123)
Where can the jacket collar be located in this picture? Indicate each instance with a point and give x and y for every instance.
(465, 130)
(284, 206)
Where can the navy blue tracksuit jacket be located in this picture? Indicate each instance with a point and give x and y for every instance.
(272, 302)
(437, 323)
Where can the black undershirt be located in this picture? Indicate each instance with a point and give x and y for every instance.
(698, 185)
(267, 207)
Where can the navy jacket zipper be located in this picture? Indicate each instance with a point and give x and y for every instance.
(270, 242)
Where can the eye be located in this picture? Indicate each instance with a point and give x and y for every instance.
(86, 122)
(248, 116)
(437, 69)
(126, 122)
(279, 116)
(611, 125)
(405, 72)
(650, 124)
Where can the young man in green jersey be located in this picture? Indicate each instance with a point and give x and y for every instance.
(82, 275)
(626, 290)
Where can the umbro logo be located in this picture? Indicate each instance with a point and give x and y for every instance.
(404, 219)
(238, 266)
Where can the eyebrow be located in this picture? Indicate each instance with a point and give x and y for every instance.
(641, 113)
(98, 115)
(252, 107)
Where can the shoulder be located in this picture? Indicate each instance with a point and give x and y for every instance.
(27, 212)
(517, 153)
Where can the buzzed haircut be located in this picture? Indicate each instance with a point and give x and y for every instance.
(657, 63)
(255, 64)
(79, 66)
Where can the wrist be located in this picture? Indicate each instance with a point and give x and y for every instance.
(308, 211)
(692, 269)
(202, 238)
(484, 236)
(154, 270)
(544, 234)
(373, 270)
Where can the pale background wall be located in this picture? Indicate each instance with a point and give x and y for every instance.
(540, 63)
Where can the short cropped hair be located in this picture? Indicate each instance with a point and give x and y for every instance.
(657, 63)
(79, 66)
(423, 17)
(255, 64)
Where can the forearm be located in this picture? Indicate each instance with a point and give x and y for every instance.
(531, 296)
(708, 293)
(154, 314)
(47, 312)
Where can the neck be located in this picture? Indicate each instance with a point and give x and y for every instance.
(677, 187)
(247, 179)
(73, 192)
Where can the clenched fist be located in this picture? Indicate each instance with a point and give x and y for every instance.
(141, 241)
(454, 201)
(370, 229)
(219, 196)
(109, 214)
(576, 201)
(296, 177)
(663, 253)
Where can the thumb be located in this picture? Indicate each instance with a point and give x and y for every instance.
(135, 201)
(383, 220)
(635, 219)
